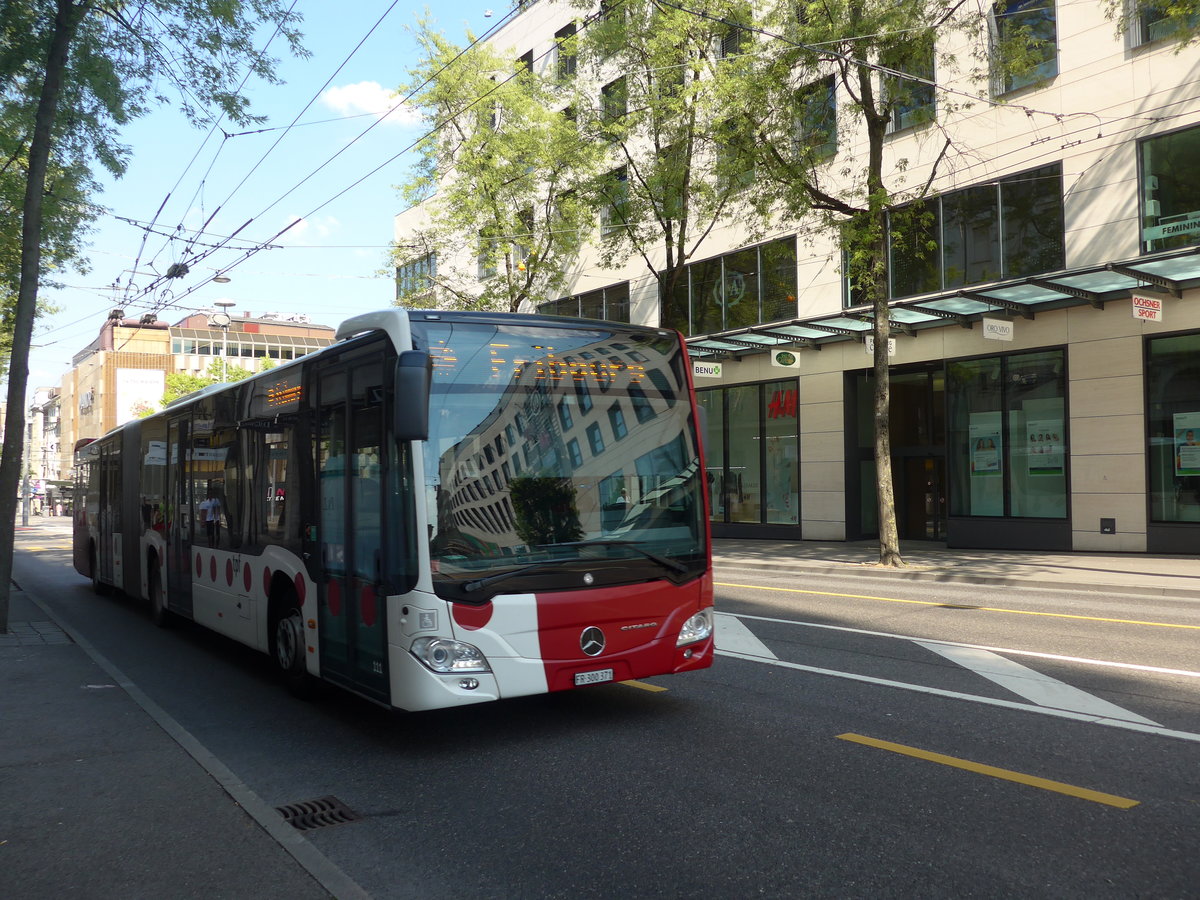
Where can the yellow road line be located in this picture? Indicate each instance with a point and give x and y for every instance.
(643, 686)
(1015, 612)
(1007, 774)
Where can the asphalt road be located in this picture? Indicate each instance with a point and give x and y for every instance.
(1048, 746)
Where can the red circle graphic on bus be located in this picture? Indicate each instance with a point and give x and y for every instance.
(333, 596)
(367, 605)
(301, 588)
(471, 617)
(229, 572)
(212, 570)
(246, 576)
(199, 566)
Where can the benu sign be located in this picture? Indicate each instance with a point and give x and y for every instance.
(706, 369)
(1147, 307)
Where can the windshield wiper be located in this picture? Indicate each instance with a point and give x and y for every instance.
(472, 586)
(663, 561)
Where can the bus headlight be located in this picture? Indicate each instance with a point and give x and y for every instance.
(448, 657)
(698, 628)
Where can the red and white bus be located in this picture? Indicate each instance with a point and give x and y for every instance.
(440, 508)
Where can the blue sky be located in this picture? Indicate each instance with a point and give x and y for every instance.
(327, 264)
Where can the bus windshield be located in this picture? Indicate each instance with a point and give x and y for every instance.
(560, 456)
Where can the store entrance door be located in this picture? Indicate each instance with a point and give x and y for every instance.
(921, 497)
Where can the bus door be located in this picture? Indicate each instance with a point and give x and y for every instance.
(350, 462)
(108, 470)
(179, 519)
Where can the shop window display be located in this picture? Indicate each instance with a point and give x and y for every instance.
(1173, 413)
(1008, 443)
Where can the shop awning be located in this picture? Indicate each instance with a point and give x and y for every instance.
(1165, 275)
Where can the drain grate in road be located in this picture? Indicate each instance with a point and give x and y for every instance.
(319, 813)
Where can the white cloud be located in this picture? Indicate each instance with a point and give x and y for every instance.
(369, 97)
(309, 231)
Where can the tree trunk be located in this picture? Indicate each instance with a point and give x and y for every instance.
(877, 293)
(66, 20)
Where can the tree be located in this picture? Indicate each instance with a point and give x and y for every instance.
(505, 159)
(106, 62)
(884, 57)
(677, 161)
(180, 384)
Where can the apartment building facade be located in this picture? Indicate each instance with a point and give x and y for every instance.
(1046, 353)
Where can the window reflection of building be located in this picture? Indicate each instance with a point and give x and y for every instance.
(546, 423)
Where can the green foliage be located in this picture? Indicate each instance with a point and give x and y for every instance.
(180, 384)
(681, 156)
(504, 162)
(545, 510)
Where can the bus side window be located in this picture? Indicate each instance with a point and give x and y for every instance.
(278, 487)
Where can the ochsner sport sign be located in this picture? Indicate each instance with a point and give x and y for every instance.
(706, 369)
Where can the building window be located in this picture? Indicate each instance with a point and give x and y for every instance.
(746, 287)
(1008, 229)
(1173, 418)
(486, 261)
(1024, 43)
(614, 102)
(911, 101)
(735, 165)
(613, 216)
(642, 408)
(523, 240)
(416, 276)
(564, 42)
(595, 439)
(816, 119)
(735, 39)
(1148, 22)
(583, 395)
(610, 303)
(564, 415)
(1007, 443)
(575, 453)
(616, 419)
(751, 450)
(1170, 190)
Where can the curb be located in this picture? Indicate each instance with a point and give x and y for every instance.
(860, 570)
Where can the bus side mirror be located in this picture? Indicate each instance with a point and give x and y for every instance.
(410, 397)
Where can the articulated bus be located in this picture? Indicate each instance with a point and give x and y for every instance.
(440, 508)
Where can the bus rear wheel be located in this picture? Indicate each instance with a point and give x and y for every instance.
(159, 614)
(289, 651)
(98, 586)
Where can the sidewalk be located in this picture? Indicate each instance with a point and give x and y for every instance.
(100, 798)
(1113, 573)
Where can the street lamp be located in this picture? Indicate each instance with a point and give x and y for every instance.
(222, 320)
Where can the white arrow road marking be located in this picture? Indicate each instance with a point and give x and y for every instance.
(1032, 685)
(734, 636)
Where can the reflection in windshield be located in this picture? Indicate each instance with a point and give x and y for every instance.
(559, 445)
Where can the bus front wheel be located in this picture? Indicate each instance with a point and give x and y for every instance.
(289, 653)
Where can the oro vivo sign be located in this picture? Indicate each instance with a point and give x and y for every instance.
(1147, 307)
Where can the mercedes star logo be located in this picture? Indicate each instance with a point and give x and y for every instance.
(591, 641)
